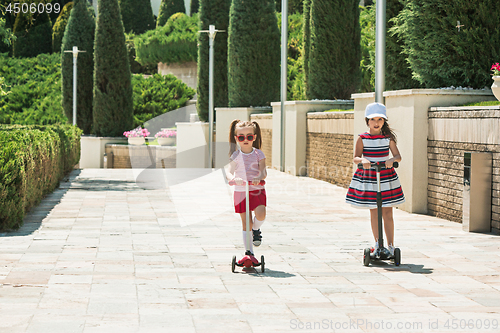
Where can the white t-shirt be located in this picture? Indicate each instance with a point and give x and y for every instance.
(247, 167)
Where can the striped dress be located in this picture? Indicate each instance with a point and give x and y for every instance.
(363, 189)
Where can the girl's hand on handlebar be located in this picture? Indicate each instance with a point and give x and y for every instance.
(366, 164)
(239, 181)
(256, 181)
(389, 163)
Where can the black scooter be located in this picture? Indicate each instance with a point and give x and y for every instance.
(381, 253)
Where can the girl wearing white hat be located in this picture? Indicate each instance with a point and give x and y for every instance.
(374, 146)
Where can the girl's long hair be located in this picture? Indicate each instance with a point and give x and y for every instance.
(386, 130)
(242, 124)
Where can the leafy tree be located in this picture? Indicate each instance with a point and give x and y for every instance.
(80, 32)
(335, 49)
(253, 54)
(169, 8)
(33, 34)
(212, 12)
(60, 26)
(113, 107)
(439, 54)
(137, 15)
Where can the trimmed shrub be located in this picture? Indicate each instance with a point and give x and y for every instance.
(441, 56)
(33, 160)
(79, 32)
(169, 8)
(212, 12)
(335, 49)
(33, 34)
(34, 90)
(60, 26)
(113, 106)
(195, 7)
(156, 95)
(135, 66)
(55, 14)
(253, 54)
(171, 43)
(137, 16)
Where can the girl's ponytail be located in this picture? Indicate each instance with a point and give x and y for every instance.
(258, 141)
(232, 133)
(388, 132)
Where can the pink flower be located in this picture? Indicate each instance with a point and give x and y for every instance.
(495, 68)
(136, 132)
(166, 133)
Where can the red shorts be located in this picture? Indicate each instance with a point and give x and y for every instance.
(257, 198)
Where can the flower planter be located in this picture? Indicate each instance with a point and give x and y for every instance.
(495, 87)
(166, 141)
(136, 141)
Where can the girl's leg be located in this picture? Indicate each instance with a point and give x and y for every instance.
(243, 216)
(388, 224)
(244, 221)
(260, 216)
(374, 223)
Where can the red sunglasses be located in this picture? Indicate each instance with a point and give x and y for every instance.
(249, 137)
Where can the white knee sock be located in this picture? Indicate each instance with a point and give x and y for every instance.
(247, 246)
(257, 223)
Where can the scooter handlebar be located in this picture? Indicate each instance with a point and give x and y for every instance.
(373, 164)
(233, 182)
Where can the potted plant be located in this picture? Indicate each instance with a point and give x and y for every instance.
(495, 87)
(137, 136)
(166, 137)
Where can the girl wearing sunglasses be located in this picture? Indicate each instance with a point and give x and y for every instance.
(248, 163)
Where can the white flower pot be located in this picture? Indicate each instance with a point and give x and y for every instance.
(136, 141)
(166, 141)
(495, 87)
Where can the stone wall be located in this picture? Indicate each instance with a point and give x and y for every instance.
(452, 132)
(265, 122)
(330, 146)
(127, 156)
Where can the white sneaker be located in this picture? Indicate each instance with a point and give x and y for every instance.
(375, 248)
(391, 249)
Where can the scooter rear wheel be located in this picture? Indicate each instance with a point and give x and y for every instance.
(233, 264)
(366, 257)
(262, 264)
(397, 256)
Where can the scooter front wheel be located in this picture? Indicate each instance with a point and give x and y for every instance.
(262, 264)
(366, 257)
(233, 264)
(397, 256)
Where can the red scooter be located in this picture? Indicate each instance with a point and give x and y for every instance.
(248, 260)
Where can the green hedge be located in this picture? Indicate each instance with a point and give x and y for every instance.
(33, 87)
(33, 159)
(176, 41)
(158, 94)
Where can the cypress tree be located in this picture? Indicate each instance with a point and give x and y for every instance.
(441, 55)
(195, 6)
(307, 43)
(294, 6)
(169, 8)
(335, 50)
(55, 14)
(33, 34)
(60, 26)
(137, 16)
(79, 32)
(212, 12)
(253, 54)
(113, 108)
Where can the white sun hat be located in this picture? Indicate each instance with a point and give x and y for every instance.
(374, 110)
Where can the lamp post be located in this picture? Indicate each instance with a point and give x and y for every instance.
(284, 61)
(211, 34)
(380, 51)
(75, 52)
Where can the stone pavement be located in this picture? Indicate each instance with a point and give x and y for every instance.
(104, 254)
